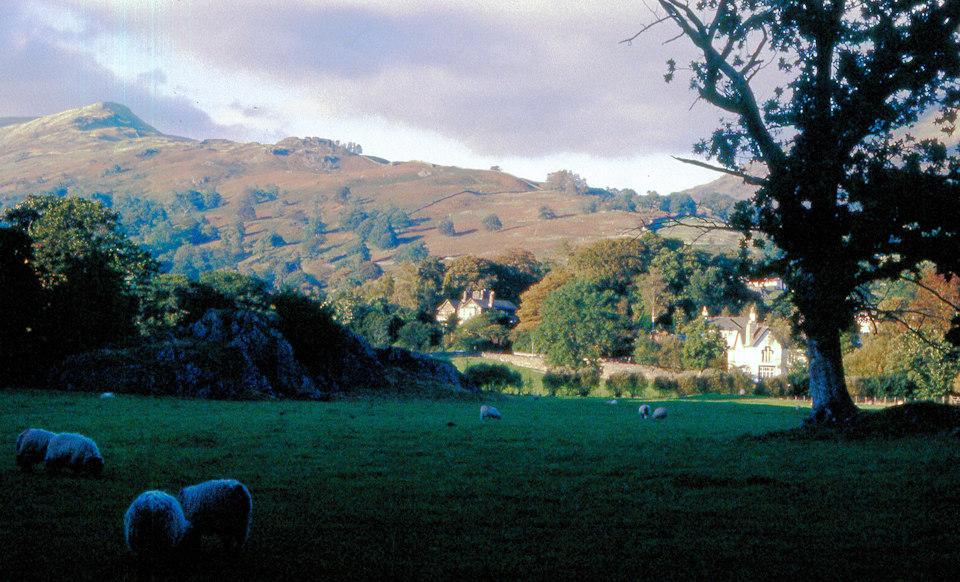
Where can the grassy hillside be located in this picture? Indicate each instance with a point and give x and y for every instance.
(104, 150)
(558, 490)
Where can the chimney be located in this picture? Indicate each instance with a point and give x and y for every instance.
(751, 325)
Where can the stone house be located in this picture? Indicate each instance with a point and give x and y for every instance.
(472, 304)
(753, 347)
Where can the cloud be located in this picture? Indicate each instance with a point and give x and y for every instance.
(45, 73)
(514, 78)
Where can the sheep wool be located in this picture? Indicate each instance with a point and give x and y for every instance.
(220, 507)
(660, 413)
(154, 525)
(487, 411)
(75, 452)
(32, 447)
(644, 410)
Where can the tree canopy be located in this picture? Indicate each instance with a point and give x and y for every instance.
(851, 195)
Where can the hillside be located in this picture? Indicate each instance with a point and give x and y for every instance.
(190, 200)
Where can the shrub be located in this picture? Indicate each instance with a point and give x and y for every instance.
(554, 382)
(895, 385)
(664, 386)
(586, 380)
(492, 222)
(547, 213)
(626, 383)
(446, 228)
(689, 385)
(580, 383)
(493, 376)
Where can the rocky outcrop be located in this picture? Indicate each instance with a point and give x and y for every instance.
(423, 367)
(265, 351)
(241, 355)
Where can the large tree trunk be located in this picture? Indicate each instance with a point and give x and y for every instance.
(828, 388)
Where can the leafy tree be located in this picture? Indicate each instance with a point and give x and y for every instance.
(492, 222)
(681, 205)
(259, 194)
(703, 346)
(89, 270)
(516, 270)
(567, 182)
(838, 161)
(468, 273)
(613, 263)
(413, 252)
(487, 331)
(580, 324)
(64, 231)
(358, 250)
(446, 228)
(382, 234)
(530, 312)
(20, 302)
(419, 336)
(546, 213)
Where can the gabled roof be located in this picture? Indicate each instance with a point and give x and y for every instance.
(739, 325)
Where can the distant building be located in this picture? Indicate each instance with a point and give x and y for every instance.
(753, 347)
(472, 304)
(866, 323)
(768, 285)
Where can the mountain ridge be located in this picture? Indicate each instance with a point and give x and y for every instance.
(104, 150)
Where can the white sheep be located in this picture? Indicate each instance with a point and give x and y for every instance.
(73, 451)
(154, 525)
(487, 411)
(32, 447)
(644, 410)
(660, 413)
(220, 507)
(614, 401)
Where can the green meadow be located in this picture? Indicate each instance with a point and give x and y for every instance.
(560, 489)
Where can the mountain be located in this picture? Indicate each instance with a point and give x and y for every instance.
(215, 203)
(732, 186)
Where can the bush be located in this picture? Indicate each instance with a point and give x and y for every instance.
(665, 386)
(626, 383)
(689, 385)
(493, 376)
(896, 385)
(446, 228)
(580, 383)
(491, 222)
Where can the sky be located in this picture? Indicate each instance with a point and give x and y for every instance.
(530, 86)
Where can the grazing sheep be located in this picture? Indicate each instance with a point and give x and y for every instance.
(221, 507)
(644, 411)
(75, 452)
(108, 395)
(154, 525)
(614, 401)
(489, 412)
(32, 447)
(660, 413)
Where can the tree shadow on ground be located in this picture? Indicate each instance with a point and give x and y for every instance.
(906, 420)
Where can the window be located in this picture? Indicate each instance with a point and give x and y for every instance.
(767, 372)
(766, 356)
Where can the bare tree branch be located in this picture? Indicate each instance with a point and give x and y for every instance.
(752, 180)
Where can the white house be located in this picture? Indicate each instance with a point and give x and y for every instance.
(473, 304)
(753, 347)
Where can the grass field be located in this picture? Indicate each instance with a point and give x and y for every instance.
(560, 489)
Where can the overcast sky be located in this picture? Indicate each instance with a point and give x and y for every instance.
(531, 86)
